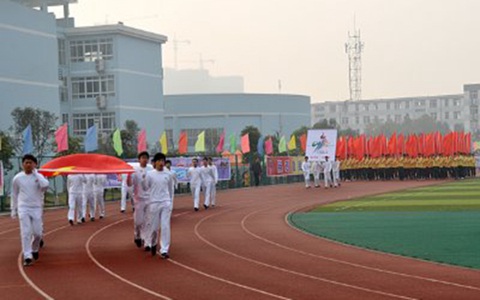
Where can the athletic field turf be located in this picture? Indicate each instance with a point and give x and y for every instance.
(438, 223)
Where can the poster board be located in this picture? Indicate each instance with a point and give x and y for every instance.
(321, 143)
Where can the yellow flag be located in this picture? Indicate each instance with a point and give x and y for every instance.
(200, 144)
(292, 144)
(163, 143)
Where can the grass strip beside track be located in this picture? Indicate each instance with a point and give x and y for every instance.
(440, 223)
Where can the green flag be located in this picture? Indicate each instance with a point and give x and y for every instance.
(233, 143)
(282, 145)
(117, 142)
(200, 143)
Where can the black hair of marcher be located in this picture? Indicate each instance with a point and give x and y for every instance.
(29, 157)
(168, 161)
(205, 158)
(143, 153)
(159, 156)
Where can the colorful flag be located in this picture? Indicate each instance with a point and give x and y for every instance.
(61, 138)
(468, 143)
(292, 144)
(200, 143)
(142, 141)
(183, 143)
(117, 142)
(260, 143)
(245, 143)
(91, 140)
(392, 145)
(282, 145)
(221, 143)
(303, 142)
(27, 140)
(269, 146)
(163, 143)
(233, 143)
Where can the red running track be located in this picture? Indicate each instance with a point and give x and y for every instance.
(242, 249)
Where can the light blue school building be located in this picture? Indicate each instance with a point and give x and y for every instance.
(108, 74)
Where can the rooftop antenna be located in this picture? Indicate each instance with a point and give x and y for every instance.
(175, 50)
(354, 48)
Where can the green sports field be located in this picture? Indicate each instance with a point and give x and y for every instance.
(438, 223)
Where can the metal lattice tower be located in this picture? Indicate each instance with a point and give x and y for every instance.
(354, 48)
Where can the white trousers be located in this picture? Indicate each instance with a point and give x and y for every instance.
(196, 195)
(327, 178)
(207, 190)
(75, 202)
(123, 199)
(160, 214)
(88, 199)
(306, 175)
(140, 221)
(100, 200)
(31, 230)
(213, 193)
(316, 178)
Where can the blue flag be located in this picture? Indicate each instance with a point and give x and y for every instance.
(27, 140)
(260, 143)
(91, 140)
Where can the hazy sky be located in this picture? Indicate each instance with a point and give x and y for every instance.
(412, 47)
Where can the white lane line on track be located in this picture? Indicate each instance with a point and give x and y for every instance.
(380, 253)
(290, 271)
(344, 262)
(25, 276)
(227, 281)
(90, 255)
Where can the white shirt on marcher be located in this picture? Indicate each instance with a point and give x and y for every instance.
(139, 193)
(75, 183)
(158, 184)
(27, 191)
(194, 176)
(207, 175)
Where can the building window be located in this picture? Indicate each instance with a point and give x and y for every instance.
(397, 105)
(357, 120)
(333, 108)
(64, 118)
(433, 116)
(398, 118)
(356, 107)
(420, 103)
(105, 122)
(447, 115)
(62, 59)
(375, 106)
(212, 136)
(320, 108)
(366, 119)
(345, 108)
(365, 107)
(473, 95)
(91, 50)
(93, 86)
(446, 102)
(63, 90)
(388, 105)
(433, 103)
(456, 102)
(407, 104)
(456, 115)
(345, 121)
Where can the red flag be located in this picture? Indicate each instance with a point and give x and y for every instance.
(411, 146)
(350, 146)
(245, 143)
(460, 142)
(142, 141)
(438, 143)
(61, 137)
(359, 147)
(392, 145)
(341, 148)
(183, 143)
(303, 142)
(429, 144)
(401, 144)
(221, 143)
(269, 146)
(421, 144)
(448, 144)
(468, 143)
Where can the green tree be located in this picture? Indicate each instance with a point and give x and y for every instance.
(325, 124)
(43, 128)
(6, 150)
(129, 138)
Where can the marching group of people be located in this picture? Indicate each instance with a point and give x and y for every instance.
(329, 170)
(152, 189)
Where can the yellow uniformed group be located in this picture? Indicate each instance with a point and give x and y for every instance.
(404, 167)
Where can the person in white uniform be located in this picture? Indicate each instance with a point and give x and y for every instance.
(213, 189)
(168, 166)
(306, 172)
(141, 199)
(193, 175)
(327, 172)
(158, 184)
(99, 192)
(75, 197)
(206, 173)
(124, 192)
(336, 172)
(88, 196)
(317, 169)
(27, 200)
